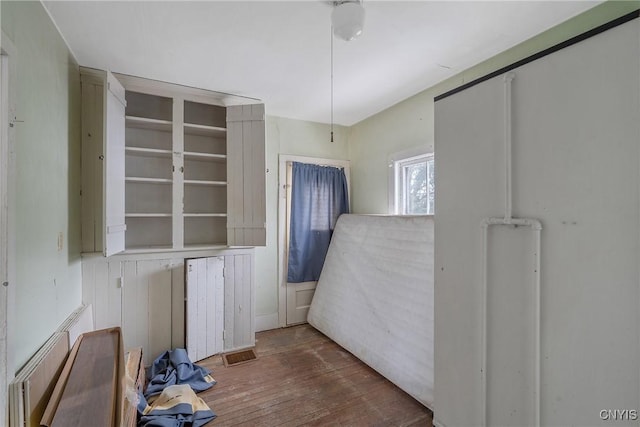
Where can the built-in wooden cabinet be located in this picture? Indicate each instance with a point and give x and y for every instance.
(164, 300)
(187, 171)
(169, 173)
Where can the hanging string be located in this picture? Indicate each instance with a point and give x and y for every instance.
(331, 36)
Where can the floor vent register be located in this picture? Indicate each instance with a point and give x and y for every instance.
(239, 357)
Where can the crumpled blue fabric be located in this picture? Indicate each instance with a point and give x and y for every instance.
(178, 409)
(174, 367)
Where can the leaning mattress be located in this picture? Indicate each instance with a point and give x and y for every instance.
(375, 297)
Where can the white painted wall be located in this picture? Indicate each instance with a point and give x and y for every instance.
(404, 127)
(369, 144)
(286, 136)
(409, 124)
(48, 280)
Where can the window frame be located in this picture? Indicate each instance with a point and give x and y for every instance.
(397, 196)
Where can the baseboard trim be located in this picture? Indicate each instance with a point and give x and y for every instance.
(266, 322)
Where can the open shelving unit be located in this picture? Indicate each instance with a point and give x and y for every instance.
(205, 174)
(148, 171)
(175, 172)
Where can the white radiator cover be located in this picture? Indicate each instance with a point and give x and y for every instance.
(375, 297)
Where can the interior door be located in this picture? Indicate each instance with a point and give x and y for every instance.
(299, 295)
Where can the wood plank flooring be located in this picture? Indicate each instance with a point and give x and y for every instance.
(302, 378)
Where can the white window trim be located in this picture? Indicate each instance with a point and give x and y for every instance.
(395, 177)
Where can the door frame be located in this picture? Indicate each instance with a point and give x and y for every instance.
(282, 219)
(7, 234)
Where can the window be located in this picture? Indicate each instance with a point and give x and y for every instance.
(414, 185)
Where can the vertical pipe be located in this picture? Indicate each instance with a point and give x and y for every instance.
(536, 320)
(331, 36)
(483, 323)
(508, 78)
(508, 220)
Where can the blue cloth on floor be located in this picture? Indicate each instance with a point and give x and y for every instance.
(174, 367)
(176, 406)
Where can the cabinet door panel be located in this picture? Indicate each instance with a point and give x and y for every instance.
(92, 166)
(239, 302)
(205, 307)
(246, 176)
(177, 304)
(114, 225)
(146, 306)
(101, 289)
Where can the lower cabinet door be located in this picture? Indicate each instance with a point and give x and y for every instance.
(204, 307)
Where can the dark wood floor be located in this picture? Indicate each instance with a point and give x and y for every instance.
(302, 378)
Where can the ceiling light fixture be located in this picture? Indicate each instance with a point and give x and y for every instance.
(347, 20)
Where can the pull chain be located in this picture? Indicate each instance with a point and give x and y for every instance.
(331, 35)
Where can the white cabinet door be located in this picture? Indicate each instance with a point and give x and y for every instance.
(148, 298)
(205, 307)
(144, 297)
(92, 87)
(146, 306)
(239, 302)
(246, 211)
(114, 224)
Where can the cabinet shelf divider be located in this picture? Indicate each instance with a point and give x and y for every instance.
(205, 130)
(148, 123)
(148, 180)
(147, 215)
(205, 215)
(197, 155)
(203, 182)
(151, 152)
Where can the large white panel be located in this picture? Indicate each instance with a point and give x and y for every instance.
(576, 167)
(582, 113)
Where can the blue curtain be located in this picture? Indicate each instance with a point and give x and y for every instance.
(318, 197)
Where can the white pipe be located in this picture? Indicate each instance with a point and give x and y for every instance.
(536, 227)
(483, 323)
(536, 322)
(508, 78)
